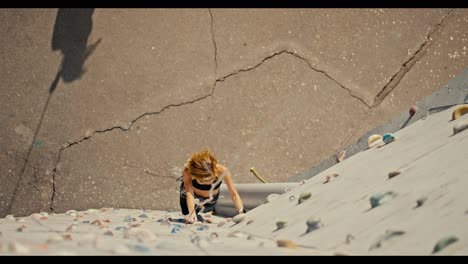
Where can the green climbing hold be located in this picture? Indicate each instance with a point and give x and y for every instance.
(381, 198)
(388, 234)
(443, 243)
(304, 196)
(281, 224)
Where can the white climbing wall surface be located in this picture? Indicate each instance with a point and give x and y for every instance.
(406, 197)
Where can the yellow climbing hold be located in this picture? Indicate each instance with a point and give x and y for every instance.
(459, 111)
(373, 140)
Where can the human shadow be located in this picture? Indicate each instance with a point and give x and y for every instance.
(71, 32)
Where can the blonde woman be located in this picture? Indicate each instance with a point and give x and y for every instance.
(202, 174)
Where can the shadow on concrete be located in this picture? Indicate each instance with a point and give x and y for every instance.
(71, 32)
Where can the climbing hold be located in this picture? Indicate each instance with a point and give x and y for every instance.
(292, 198)
(459, 111)
(143, 216)
(109, 233)
(420, 201)
(237, 234)
(388, 234)
(97, 222)
(388, 138)
(271, 197)
(238, 218)
(202, 227)
(71, 227)
(21, 228)
(286, 243)
(249, 222)
(129, 218)
(36, 216)
(10, 218)
(460, 127)
(330, 177)
(443, 243)
(381, 198)
(140, 248)
(312, 224)
(393, 174)
(341, 156)
(374, 140)
(91, 211)
(413, 110)
(304, 196)
(281, 224)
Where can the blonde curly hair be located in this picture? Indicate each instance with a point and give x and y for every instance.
(202, 165)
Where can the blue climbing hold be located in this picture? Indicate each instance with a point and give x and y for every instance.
(388, 138)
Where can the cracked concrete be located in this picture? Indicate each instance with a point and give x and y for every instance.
(406, 67)
(214, 44)
(207, 119)
(310, 68)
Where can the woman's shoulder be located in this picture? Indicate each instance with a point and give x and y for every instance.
(221, 167)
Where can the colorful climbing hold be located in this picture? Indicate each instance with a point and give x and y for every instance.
(388, 234)
(413, 110)
(303, 197)
(374, 140)
(341, 156)
(381, 198)
(459, 111)
(286, 243)
(388, 138)
(312, 224)
(443, 243)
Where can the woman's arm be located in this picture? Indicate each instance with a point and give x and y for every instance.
(232, 189)
(189, 197)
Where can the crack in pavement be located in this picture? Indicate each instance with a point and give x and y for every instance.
(350, 92)
(222, 79)
(110, 129)
(214, 44)
(407, 65)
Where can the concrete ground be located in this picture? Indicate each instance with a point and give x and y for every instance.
(101, 108)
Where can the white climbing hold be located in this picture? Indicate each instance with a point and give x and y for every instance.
(459, 127)
(238, 218)
(272, 197)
